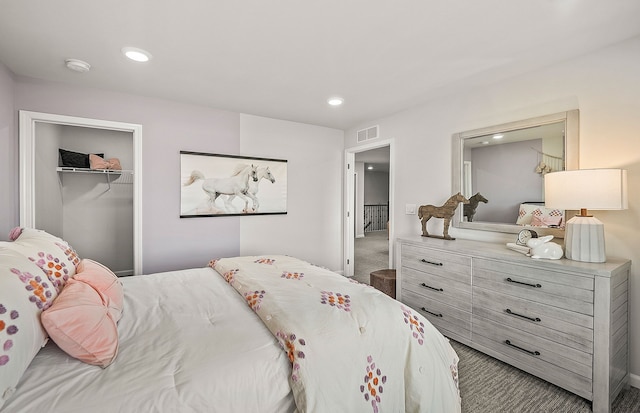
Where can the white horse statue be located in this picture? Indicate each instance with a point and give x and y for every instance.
(237, 184)
(263, 172)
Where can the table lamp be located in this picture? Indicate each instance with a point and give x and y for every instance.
(583, 189)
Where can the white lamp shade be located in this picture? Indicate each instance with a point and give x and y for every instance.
(600, 189)
(586, 189)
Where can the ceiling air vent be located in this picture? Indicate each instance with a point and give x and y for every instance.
(368, 133)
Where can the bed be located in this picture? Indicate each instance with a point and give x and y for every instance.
(243, 334)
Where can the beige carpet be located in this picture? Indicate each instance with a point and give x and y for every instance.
(488, 385)
(371, 253)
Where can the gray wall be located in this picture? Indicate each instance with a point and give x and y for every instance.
(376, 187)
(10, 214)
(167, 128)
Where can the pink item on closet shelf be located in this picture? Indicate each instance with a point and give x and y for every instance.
(97, 162)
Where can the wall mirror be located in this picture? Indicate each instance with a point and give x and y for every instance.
(506, 164)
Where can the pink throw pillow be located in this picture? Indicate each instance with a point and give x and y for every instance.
(80, 323)
(105, 281)
(97, 162)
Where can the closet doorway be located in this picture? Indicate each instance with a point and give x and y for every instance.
(357, 217)
(98, 213)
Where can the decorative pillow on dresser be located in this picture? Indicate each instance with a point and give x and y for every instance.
(24, 292)
(539, 216)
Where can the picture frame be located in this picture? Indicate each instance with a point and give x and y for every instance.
(214, 185)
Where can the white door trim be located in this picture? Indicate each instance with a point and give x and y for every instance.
(349, 201)
(27, 126)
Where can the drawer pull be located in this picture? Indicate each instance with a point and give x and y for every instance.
(533, 353)
(433, 288)
(432, 313)
(508, 311)
(439, 264)
(509, 280)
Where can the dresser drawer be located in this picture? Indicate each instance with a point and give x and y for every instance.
(541, 274)
(552, 323)
(549, 360)
(434, 287)
(454, 266)
(444, 317)
(560, 290)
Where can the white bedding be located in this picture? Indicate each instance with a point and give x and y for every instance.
(188, 343)
(352, 348)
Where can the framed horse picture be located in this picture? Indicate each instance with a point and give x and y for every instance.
(215, 185)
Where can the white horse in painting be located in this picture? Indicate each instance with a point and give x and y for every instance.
(237, 185)
(263, 172)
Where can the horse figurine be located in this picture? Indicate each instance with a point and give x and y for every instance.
(263, 172)
(446, 211)
(235, 185)
(469, 210)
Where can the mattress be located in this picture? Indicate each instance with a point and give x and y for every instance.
(188, 343)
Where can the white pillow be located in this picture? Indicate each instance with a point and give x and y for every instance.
(53, 255)
(24, 292)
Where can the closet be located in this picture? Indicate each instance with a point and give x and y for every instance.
(95, 210)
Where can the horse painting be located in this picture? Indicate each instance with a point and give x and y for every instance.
(469, 210)
(263, 172)
(237, 184)
(446, 211)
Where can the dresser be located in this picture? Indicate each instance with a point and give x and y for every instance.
(561, 320)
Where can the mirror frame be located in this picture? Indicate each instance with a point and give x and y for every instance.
(571, 161)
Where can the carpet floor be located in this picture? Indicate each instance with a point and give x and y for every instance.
(371, 253)
(491, 386)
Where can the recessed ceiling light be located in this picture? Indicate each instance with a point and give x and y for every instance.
(485, 142)
(498, 136)
(370, 167)
(335, 101)
(136, 54)
(77, 65)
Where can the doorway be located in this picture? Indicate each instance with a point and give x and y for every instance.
(40, 131)
(368, 243)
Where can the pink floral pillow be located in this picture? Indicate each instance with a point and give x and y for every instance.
(104, 281)
(24, 292)
(53, 255)
(82, 325)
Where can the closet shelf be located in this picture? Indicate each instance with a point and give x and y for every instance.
(93, 171)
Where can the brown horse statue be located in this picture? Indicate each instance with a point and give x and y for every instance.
(446, 211)
(469, 210)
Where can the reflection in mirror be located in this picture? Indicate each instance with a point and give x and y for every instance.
(504, 167)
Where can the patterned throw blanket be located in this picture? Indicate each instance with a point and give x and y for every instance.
(352, 348)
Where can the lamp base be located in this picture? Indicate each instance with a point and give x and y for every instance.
(584, 239)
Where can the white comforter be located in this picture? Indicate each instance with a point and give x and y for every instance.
(188, 343)
(351, 348)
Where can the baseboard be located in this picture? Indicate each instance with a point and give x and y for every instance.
(634, 381)
(359, 235)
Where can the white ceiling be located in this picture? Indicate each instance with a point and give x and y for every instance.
(284, 58)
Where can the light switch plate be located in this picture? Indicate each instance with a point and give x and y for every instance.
(410, 209)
